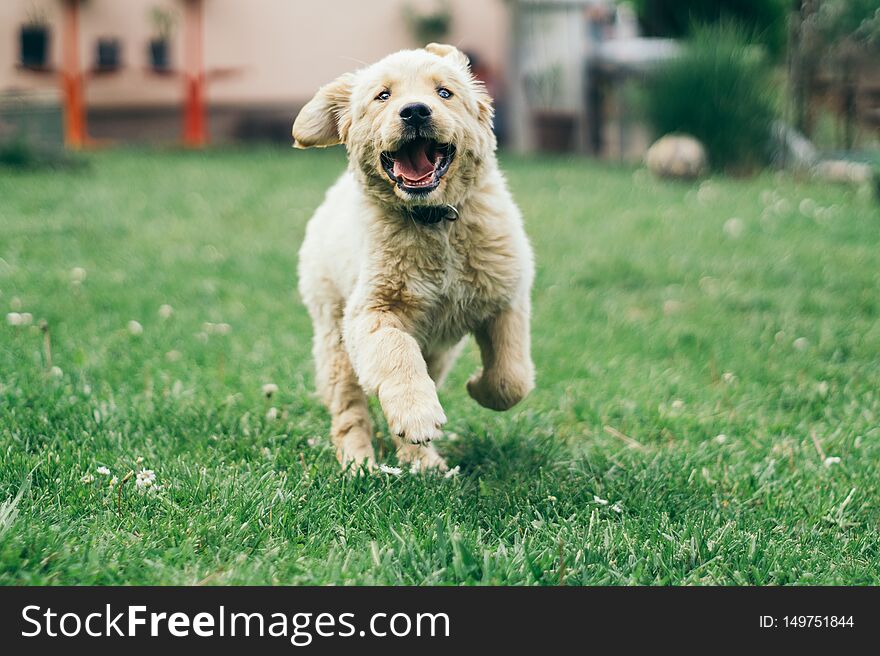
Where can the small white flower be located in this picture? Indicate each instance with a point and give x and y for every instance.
(807, 207)
(135, 328)
(823, 388)
(269, 389)
(721, 438)
(600, 500)
(222, 328)
(173, 355)
(165, 311)
(146, 478)
(677, 404)
(272, 414)
(26, 318)
(734, 227)
(672, 306)
(87, 479)
(832, 460)
(452, 473)
(728, 377)
(113, 481)
(139, 460)
(394, 471)
(13, 319)
(801, 343)
(313, 441)
(77, 275)
(617, 508)
(103, 471)
(56, 372)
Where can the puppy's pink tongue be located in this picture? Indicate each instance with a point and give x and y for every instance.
(412, 161)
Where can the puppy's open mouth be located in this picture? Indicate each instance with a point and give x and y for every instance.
(418, 165)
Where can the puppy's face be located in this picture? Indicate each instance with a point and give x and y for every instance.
(417, 126)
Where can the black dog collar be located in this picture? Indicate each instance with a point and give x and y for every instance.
(430, 214)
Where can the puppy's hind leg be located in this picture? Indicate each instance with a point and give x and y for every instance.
(351, 429)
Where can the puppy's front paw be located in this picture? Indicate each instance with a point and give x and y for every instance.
(421, 458)
(498, 393)
(413, 411)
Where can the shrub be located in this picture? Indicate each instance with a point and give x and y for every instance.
(720, 91)
(766, 19)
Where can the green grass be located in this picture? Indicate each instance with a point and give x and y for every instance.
(651, 318)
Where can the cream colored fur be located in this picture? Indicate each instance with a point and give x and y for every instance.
(391, 300)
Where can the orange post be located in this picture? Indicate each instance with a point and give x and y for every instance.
(194, 127)
(72, 78)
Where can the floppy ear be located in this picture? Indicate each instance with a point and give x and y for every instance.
(325, 119)
(444, 50)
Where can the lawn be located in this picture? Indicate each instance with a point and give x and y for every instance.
(707, 406)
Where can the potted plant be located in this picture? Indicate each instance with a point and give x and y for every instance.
(552, 127)
(160, 45)
(34, 39)
(108, 54)
(430, 27)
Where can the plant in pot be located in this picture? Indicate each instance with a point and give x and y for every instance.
(160, 45)
(432, 26)
(34, 39)
(108, 54)
(553, 128)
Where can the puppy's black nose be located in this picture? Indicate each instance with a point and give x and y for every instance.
(415, 114)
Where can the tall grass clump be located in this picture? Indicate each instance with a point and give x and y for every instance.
(720, 91)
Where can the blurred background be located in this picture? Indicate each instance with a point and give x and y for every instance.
(755, 82)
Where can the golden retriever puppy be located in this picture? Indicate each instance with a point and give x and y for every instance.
(417, 244)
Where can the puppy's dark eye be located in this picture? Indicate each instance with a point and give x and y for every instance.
(444, 93)
(385, 95)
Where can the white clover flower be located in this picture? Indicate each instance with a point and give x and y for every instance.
(272, 414)
(721, 438)
(728, 377)
(26, 318)
(146, 478)
(13, 319)
(77, 275)
(222, 328)
(56, 372)
(393, 471)
(87, 479)
(617, 508)
(165, 311)
(113, 481)
(600, 500)
(135, 328)
(677, 404)
(823, 388)
(313, 441)
(801, 343)
(734, 227)
(832, 460)
(807, 207)
(269, 389)
(452, 473)
(103, 471)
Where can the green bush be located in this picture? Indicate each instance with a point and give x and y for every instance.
(766, 19)
(720, 91)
